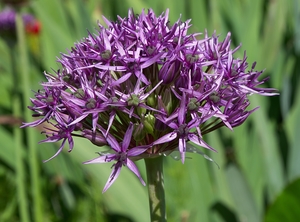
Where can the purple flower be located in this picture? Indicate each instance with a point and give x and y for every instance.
(8, 24)
(146, 88)
(122, 156)
(182, 130)
(59, 131)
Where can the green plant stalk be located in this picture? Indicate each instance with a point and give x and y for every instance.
(33, 160)
(18, 138)
(21, 186)
(156, 192)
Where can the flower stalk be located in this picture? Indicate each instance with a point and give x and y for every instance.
(156, 192)
(32, 146)
(18, 136)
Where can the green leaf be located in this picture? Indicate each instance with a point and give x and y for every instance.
(81, 19)
(286, 206)
(242, 195)
(218, 176)
(248, 152)
(57, 35)
(5, 90)
(295, 18)
(271, 154)
(189, 192)
(7, 151)
(293, 131)
(224, 212)
(8, 213)
(67, 195)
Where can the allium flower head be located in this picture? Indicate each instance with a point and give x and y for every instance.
(144, 87)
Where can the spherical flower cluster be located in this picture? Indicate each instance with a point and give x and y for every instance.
(144, 87)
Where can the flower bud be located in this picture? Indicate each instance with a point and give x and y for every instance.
(148, 122)
(139, 132)
(167, 101)
(182, 81)
(141, 111)
(95, 137)
(169, 72)
(151, 101)
(160, 126)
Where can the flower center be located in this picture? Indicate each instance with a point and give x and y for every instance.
(193, 104)
(91, 103)
(133, 100)
(183, 130)
(191, 58)
(106, 54)
(122, 157)
(214, 97)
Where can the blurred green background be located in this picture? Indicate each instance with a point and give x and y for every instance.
(259, 175)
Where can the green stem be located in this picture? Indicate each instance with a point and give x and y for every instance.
(156, 192)
(18, 138)
(20, 180)
(33, 157)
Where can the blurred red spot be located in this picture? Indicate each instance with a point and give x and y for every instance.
(33, 27)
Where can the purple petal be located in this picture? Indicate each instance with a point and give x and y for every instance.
(181, 113)
(113, 176)
(111, 119)
(137, 150)
(195, 139)
(95, 121)
(101, 159)
(106, 41)
(152, 90)
(111, 140)
(127, 138)
(182, 148)
(103, 67)
(142, 77)
(166, 138)
(134, 169)
(260, 91)
(121, 80)
(152, 60)
(58, 151)
(78, 119)
(36, 122)
(193, 123)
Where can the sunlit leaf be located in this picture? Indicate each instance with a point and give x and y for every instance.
(286, 206)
